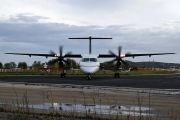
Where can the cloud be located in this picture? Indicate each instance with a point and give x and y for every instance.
(27, 18)
(26, 34)
(141, 13)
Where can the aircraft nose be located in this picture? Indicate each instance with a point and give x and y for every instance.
(92, 69)
(89, 70)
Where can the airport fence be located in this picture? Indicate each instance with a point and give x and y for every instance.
(39, 70)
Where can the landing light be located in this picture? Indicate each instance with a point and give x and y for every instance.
(55, 104)
(56, 55)
(123, 55)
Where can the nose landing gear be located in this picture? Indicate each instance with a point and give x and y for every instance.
(88, 77)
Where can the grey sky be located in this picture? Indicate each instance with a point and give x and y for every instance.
(140, 26)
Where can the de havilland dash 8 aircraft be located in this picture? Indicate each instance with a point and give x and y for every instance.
(89, 63)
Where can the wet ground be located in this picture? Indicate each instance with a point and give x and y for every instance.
(98, 109)
(158, 94)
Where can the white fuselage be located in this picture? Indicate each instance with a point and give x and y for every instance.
(89, 64)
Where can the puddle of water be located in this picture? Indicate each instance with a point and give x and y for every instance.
(98, 109)
(174, 93)
(171, 92)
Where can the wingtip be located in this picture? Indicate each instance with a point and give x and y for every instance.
(8, 53)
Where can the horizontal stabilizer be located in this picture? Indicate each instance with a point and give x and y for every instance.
(90, 38)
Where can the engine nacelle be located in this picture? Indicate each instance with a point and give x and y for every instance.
(118, 63)
(61, 63)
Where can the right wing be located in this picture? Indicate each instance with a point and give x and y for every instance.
(131, 55)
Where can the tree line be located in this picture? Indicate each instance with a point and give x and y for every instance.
(10, 65)
(52, 64)
(38, 64)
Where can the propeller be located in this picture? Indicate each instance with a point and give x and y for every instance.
(60, 58)
(118, 58)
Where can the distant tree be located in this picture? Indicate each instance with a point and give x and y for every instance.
(52, 62)
(71, 63)
(6, 65)
(37, 64)
(1, 65)
(13, 64)
(10, 65)
(134, 68)
(22, 65)
(107, 66)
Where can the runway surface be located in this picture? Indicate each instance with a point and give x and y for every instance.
(137, 81)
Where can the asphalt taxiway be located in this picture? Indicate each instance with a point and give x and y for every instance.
(170, 81)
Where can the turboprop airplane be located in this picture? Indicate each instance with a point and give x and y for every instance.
(89, 63)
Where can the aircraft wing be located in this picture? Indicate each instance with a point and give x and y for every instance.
(100, 55)
(131, 55)
(47, 55)
(149, 54)
(106, 56)
(73, 55)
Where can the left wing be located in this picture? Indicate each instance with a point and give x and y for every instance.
(47, 55)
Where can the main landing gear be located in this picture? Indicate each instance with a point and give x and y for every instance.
(63, 75)
(116, 75)
(88, 77)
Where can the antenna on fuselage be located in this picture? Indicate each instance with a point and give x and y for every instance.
(90, 38)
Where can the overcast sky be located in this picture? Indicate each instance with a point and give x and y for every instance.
(140, 26)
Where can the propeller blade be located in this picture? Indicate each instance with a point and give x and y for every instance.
(111, 62)
(112, 53)
(60, 50)
(124, 62)
(69, 53)
(119, 50)
(128, 53)
(65, 61)
(52, 52)
(55, 61)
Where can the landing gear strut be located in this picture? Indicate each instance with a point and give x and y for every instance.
(88, 77)
(116, 75)
(63, 75)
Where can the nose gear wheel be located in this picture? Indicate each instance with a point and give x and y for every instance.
(88, 77)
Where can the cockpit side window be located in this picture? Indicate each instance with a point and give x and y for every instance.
(93, 59)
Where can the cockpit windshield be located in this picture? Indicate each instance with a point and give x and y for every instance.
(85, 59)
(89, 59)
(93, 59)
